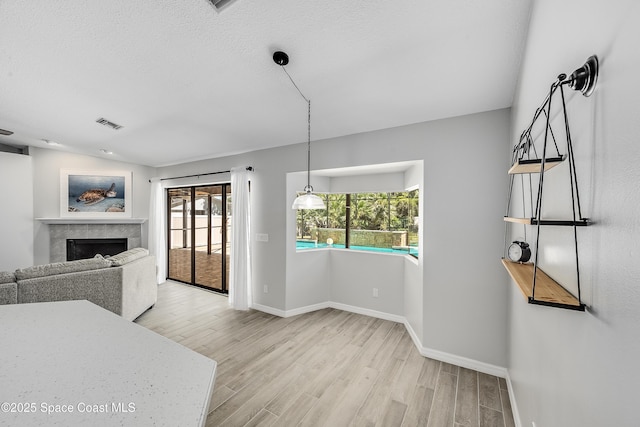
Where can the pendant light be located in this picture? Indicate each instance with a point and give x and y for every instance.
(307, 200)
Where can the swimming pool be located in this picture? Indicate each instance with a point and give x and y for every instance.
(305, 244)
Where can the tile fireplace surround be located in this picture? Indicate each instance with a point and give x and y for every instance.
(62, 229)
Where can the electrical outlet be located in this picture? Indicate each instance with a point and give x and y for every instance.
(260, 237)
(266, 289)
(375, 292)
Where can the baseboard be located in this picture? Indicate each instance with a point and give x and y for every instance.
(268, 310)
(512, 399)
(465, 362)
(328, 304)
(367, 312)
(306, 309)
(289, 313)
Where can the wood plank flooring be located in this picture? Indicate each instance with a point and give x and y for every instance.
(326, 368)
(208, 267)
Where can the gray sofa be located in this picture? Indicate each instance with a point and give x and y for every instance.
(124, 284)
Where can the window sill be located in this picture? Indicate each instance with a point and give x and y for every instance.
(410, 257)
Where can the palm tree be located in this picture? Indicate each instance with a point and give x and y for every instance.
(337, 209)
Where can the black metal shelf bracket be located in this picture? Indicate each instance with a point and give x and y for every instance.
(580, 307)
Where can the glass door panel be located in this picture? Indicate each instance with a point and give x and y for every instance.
(179, 242)
(208, 273)
(204, 263)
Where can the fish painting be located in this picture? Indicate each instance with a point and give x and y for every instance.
(96, 195)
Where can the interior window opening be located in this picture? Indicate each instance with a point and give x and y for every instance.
(377, 222)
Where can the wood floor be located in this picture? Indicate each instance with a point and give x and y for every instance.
(208, 267)
(326, 368)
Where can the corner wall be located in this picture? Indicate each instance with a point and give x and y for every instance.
(16, 211)
(569, 368)
(463, 286)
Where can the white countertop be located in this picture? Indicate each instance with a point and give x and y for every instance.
(77, 356)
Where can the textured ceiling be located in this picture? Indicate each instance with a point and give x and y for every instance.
(187, 82)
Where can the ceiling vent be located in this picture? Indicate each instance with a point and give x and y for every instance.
(220, 4)
(107, 123)
(15, 149)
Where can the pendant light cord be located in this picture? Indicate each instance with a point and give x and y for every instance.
(308, 188)
(294, 84)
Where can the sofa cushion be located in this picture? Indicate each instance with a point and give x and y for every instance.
(62, 268)
(7, 277)
(128, 256)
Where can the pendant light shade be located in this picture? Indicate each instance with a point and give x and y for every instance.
(307, 200)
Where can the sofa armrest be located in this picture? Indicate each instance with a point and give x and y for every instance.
(8, 293)
(139, 286)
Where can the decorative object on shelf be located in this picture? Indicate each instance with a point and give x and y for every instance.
(95, 194)
(519, 251)
(536, 285)
(307, 200)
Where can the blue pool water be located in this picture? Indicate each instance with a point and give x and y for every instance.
(302, 245)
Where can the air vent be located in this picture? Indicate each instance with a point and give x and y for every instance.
(106, 122)
(14, 149)
(5, 132)
(220, 4)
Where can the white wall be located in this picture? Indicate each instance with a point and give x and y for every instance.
(413, 272)
(569, 368)
(463, 283)
(354, 274)
(382, 182)
(465, 185)
(16, 211)
(46, 190)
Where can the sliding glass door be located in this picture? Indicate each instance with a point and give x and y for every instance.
(199, 237)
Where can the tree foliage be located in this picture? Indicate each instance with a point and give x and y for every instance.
(369, 211)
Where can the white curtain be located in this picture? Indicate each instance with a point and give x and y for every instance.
(157, 228)
(240, 269)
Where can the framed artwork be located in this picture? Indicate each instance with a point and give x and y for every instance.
(95, 194)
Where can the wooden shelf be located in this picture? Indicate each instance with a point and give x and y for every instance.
(548, 291)
(535, 165)
(562, 222)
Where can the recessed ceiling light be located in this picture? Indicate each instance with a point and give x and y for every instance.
(48, 141)
(103, 151)
(6, 132)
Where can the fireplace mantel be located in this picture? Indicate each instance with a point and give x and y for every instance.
(91, 220)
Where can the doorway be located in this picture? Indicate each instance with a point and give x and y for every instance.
(199, 235)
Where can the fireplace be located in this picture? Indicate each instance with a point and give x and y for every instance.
(62, 229)
(88, 248)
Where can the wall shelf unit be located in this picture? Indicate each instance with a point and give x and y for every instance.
(535, 165)
(536, 285)
(534, 221)
(547, 291)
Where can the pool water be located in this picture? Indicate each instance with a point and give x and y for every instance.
(302, 245)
